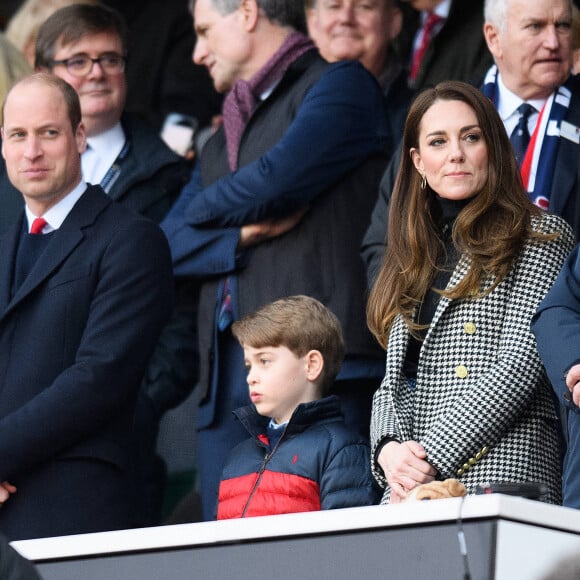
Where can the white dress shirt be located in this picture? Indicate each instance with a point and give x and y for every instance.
(58, 212)
(102, 150)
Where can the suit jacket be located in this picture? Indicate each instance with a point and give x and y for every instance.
(556, 326)
(482, 406)
(74, 341)
(458, 52)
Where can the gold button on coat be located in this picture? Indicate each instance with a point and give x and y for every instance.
(469, 328)
(461, 371)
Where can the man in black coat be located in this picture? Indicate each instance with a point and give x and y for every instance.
(85, 289)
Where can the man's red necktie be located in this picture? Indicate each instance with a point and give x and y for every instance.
(37, 226)
(428, 27)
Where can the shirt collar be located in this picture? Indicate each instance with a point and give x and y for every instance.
(442, 10)
(56, 215)
(273, 425)
(509, 101)
(112, 139)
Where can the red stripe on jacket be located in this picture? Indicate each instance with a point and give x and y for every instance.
(267, 494)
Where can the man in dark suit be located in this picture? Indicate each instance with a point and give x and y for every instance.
(532, 66)
(86, 46)
(442, 40)
(84, 294)
(556, 326)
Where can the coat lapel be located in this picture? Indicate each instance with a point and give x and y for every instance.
(459, 272)
(8, 249)
(55, 254)
(64, 241)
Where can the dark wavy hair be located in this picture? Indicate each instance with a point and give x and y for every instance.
(490, 230)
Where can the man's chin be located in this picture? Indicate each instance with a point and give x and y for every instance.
(222, 87)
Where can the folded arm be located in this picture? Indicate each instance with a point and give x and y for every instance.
(340, 123)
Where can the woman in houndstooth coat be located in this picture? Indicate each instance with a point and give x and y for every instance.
(469, 259)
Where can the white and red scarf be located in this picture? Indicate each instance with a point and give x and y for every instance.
(537, 177)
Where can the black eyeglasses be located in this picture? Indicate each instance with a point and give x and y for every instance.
(81, 65)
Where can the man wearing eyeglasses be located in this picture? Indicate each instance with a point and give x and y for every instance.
(85, 45)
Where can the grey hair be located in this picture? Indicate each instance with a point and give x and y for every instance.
(222, 6)
(496, 12)
(282, 12)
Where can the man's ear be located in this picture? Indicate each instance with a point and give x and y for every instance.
(492, 38)
(250, 12)
(315, 364)
(81, 138)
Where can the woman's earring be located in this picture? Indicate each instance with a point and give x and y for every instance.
(423, 181)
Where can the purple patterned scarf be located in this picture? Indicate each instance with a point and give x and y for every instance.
(241, 101)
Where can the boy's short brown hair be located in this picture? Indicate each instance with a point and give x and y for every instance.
(301, 324)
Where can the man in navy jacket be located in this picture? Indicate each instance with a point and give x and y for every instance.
(277, 205)
(84, 294)
(557, 329)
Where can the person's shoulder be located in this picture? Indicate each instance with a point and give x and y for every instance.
(326, 419)
(349, 70)
(344, 436)
(108, 213)
(549, 223)
(349, 83)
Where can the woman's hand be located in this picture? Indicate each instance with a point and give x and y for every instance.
(405, 467)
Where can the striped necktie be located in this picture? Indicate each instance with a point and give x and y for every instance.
(520, 137)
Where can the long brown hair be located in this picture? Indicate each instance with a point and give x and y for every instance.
(490, 230)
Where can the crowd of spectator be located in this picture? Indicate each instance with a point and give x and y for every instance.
(411, 166)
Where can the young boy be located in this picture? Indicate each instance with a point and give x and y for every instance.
(301, 456)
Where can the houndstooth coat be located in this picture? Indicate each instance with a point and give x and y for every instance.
(482, 406)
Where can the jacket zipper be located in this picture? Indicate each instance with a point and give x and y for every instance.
(261, 472)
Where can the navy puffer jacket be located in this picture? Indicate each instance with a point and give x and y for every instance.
(318, 463)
